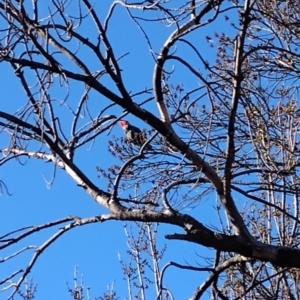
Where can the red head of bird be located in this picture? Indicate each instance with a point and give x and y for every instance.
(124, 124)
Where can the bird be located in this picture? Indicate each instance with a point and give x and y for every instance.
(133, 134)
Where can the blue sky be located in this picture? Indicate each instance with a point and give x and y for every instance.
(93, 248)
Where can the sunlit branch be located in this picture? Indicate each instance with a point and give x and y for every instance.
(217, 270)
(39, 250)
(128, 163)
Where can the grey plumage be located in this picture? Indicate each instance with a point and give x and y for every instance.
(133, 134)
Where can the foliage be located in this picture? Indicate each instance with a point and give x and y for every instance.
(225, 125)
